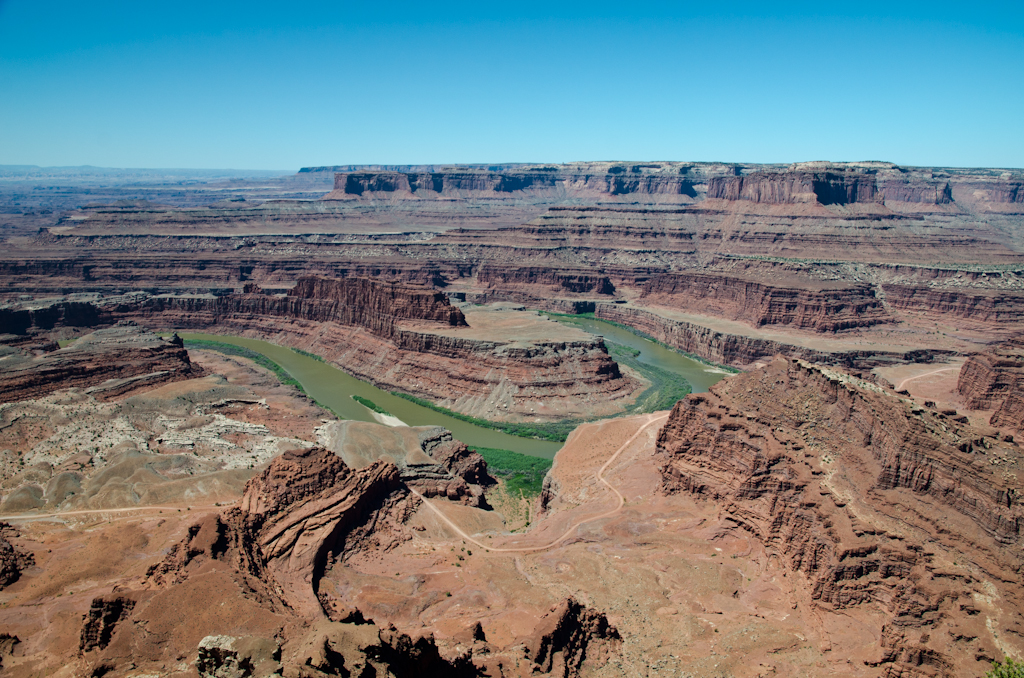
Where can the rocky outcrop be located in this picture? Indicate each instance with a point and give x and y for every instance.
(62, 314)
(826, 188)
(308, 509)
(566, 636)
(925, 192)
(13, 561)
(1010, 414)
(109, 361)
(238, 657)
(428, 458)
(821, 308)
(304, 509)
(352, 184)
(350, 649)
(105, 613)
(375, 304)
(767, 445)
(418, 357)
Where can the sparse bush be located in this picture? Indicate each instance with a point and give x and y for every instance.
(1007, 669)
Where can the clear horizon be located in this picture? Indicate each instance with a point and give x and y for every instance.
(262, 86)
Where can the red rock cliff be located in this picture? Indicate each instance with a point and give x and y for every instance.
(826, 188)
(822, 308)
(818, 466)
(995, 380)
(112, 360)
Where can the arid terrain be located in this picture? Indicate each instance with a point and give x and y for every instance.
(845, 501)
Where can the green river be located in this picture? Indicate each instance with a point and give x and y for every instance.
(334, 389)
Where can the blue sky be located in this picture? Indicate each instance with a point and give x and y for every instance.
(278, 85)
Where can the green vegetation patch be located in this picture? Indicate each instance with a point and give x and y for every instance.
(241, 351)
(372, 406)
(567, 318)
(1010, 669)
(666, 389)
(314, 356)
(263, 361)
(522, 473)
(555, 431)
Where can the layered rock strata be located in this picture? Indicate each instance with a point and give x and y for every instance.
(398, 340)
(822, 308)
(742, 350)
(991, 307)
(826, 188)
(109, 361)
(994, 380)
(291, 520)
(308, 508)
(864, 493)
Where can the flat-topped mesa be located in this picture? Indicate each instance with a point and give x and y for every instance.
(354, 184)
(376, 304)
(787, 448)
(821, 308)
(109, 362)
(672, 181)
(784, 188)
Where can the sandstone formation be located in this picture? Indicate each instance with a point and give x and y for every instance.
(823, 308)
(864, 493)
(826, 188)
(295, 514)
(994, 380)
(306, 509)
(406, 338)
(110, 361)
(428, 458)
(12, 559)
(868, 249)
(731, 348)
(988, 378)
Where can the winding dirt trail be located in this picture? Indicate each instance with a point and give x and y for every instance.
(926, 374)
(651, 419)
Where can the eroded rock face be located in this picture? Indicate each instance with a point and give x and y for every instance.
(305, 508)
(566, 635)
(826, 188)
(109, 361)
(238, 657)
(12, 559)
(416, 357)
(820, 308)
(308, 507)
(333, 648)
(104, 615)
(988, 378)
(734, 349)
(901, 488)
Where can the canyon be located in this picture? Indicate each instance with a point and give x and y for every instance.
(845, 501)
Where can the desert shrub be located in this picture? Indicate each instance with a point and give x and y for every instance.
(1007, 669)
